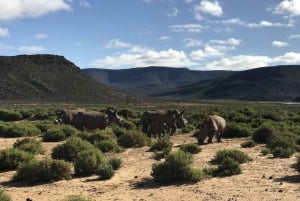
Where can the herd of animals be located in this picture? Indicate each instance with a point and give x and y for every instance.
(154, 122)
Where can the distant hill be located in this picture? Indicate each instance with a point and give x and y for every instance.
(277, 83)
(147, 81)
(49, 78)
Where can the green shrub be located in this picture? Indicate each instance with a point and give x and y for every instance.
(21, 129)
(26, 114)
(9, 115)
(161, 154)
(69, 150)
(4, 196)
(188, 128)
(233, 130)
(133, 138)
(128, 113)
(29, 145)
(128, 125)
(282, 152)
(284, 140)
(191, 148)
(108, 146)
(117, 130)
(297, 166)
(47, 170)
(106, 171)
(11, 158)
(228, 166)
(249, 143)
(100, 135)
(115, 163)
(44, 125)
(54, 135)
(69, 130)
(237, 155)
(176, 167)
(88, 162)
(41, 114)
(266, 151)
(262, 134)
(161, 144)
(77, 198)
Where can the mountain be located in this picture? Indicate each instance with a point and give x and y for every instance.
(147, 81)
(277, 83)
(49, 78)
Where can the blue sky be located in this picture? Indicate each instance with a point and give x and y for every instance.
(117, 34)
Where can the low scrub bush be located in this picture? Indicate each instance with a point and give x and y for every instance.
(69, 130)
(236, 155)
(30, 145)
(282, 145)
(228, 166)
(128, 125)
(22, 129)
(4, 196)
(77, 198)
(69, 150)
(133, 138)
(176, 167)
(118, 131)
(115, 163)
(100, 135)
(108, 146)
(47, 170)
(106, 171)
(249, 143)
(10, 159)
(191, 148)
(44, 125)
(54, 135)
(88, 162)
(233, 130)
(280, 152)
(188, 128)
(128, 113)
(266, 151)
(9, 115)
(161, 144)
(262, 134)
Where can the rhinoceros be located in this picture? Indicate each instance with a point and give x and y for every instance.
(172, 118)
(157, 128)
(213, 125)
(66, 116)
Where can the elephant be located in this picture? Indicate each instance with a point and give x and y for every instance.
(157, 128)
(213, 125)
(172, 118)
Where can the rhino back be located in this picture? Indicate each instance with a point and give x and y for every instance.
(218, 122)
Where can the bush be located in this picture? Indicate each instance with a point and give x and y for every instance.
(176, 167)
(68, 151)
(133, 138)
(47, 170)
(69, 130)
(188, 128)
(282, 152)
(118, 131)
(228, 166)
(262, 134)
(249, 143)
(128, 113)
(236, 155)
(266, 151)
(44, 125)
(106, 171)
(191, 148)
(54, 135)
(298, 165)
(283, 140)
(29, 145)
(77, 198)
(21, 129)
(11, 158)
(100, 135)
(8, 115)
(4, 196)
(161, 144)
(115, 163)
(128, 125)
(88, 162)
(108, 146)
(233, 130)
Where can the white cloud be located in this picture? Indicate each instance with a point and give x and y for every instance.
(4, 32)
(84, 3)
(207, 52)
(279, 44)
(230, 41)
(190, 42)
(287, 58)
(173, 13)
(117, 44)
(191, 28)
(41, 36)
(296, 36)
(288, 7)
(234, 21)
(168, 57)
(14, 9)
(208, 7)
(165, 38)
(31, 49)
(268, 24)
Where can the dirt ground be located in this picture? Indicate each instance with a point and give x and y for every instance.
(264, 178)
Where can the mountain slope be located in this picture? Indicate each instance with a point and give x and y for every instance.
(49, 78)
(151, 80)
(278, 83)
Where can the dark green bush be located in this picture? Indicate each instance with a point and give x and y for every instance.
(266, 151)
(191, 148)
(9, 115)
(176, 167)
(88, 162)
(69, 130)
(128, 125)
(106, 171)
(117, 130)
(161, 144)
(108, 146)
(54, 135)
(47, 170)
(284, 140)
(233, 130)
(249, 143)
(297, 166)
(21, 129)
(4, 196)
(68, 151)
(133, 138)
(262, 134)
(11, 158)
(188, 128)
(282, 152)
(44, 125)
(115, 163)
(228, 166)
(237, 155)
(100, 135)
(29, 145)
(128, 113)
(77, 198)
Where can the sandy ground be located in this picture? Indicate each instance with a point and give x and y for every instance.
(265, 178)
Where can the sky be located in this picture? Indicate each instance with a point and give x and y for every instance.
(119, 34)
